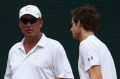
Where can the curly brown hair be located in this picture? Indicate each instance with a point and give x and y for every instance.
(88, 17)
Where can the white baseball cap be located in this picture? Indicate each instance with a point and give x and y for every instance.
(30, 9)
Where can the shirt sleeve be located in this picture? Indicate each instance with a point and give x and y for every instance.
(8, 73)
(89, 56)
(61, 66)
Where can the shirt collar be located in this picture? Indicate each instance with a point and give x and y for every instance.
(41, 42)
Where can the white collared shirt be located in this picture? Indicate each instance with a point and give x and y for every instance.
(94, 52)
(46, 60)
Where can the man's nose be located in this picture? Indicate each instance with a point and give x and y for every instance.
(28, 24)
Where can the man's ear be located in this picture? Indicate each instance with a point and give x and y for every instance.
(78, 23)
(19, 24)
(41, 23)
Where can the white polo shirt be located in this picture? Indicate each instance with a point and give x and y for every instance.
(93, 52)
(46, 60)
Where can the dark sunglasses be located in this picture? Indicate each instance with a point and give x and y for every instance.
(28, 20)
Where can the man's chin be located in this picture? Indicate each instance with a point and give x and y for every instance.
(28, 35)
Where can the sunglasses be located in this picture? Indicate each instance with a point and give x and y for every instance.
(28, 20)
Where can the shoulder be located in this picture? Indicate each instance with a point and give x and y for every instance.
(91, 43)
(49, 41)
(14, 47)
(53, 42)
(56, 46)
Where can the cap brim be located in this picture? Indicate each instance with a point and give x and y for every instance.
(29, 14)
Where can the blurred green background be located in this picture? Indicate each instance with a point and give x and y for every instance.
(57, 24)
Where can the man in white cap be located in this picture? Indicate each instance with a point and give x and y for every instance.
(36, 56)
